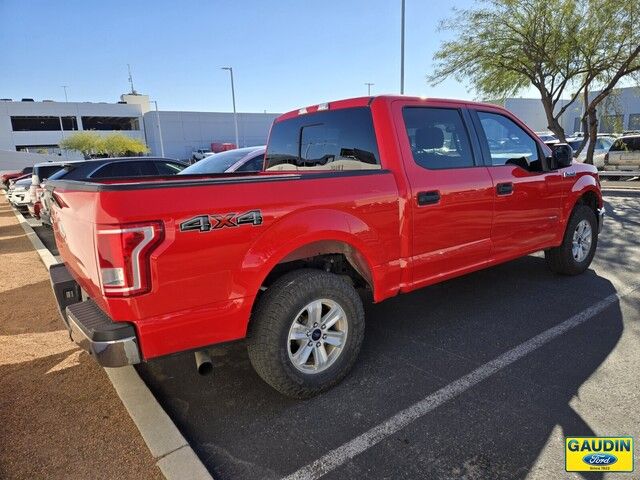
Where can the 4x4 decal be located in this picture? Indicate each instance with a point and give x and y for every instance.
(206, 223)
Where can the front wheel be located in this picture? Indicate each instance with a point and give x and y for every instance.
(306, 332)
(578, 247)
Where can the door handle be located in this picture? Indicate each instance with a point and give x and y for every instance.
(428, 198)
(570, 173)
(504, 188)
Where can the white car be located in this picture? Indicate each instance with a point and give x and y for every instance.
(624, 154)
(248, 159)
(546, 136)
(18, 193)
(603, 144)
(201, 153)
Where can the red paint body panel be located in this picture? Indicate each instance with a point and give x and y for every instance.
(203, 284)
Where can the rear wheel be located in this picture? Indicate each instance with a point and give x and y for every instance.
(306, 332)
(578, 247)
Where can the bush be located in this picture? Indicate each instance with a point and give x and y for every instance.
(92, 144)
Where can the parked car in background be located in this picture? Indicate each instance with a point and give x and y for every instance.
(248, 159)
(7, 176)
(546, 136)
(624, 154)
(41, 171)
(200, 153)
(111, 168)
(602, 146)
(390, 194)
(217, 147)
(18, 193)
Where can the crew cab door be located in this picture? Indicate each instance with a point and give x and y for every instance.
(451, 205)
(528, 197)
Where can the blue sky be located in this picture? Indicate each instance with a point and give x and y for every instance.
(285, 53)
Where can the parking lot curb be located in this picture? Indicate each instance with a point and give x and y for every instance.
(173, 454)
(45, 255)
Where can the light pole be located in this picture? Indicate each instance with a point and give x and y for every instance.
(369, 88)
(159, 128)
(233, 98)
(65, 93)
(402, 51)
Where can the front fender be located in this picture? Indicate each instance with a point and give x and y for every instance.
(583, 185)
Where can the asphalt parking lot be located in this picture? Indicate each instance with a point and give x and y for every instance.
(509, 424)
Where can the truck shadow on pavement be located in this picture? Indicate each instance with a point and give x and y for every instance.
(415, 344)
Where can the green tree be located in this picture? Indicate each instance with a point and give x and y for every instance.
(118, 145)
(502, 47)
(88, 143)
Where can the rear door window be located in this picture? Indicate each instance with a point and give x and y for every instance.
(125, 169)
(438, 138)
(335, 140)
(626, 144)
(168, 168)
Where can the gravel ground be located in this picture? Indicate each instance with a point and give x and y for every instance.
(59, 415)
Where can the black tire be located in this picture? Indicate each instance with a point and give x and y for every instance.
(561, 259)
(267, 340)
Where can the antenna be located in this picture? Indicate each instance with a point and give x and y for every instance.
(133, 90)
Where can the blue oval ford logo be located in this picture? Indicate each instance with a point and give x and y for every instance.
(599, 459)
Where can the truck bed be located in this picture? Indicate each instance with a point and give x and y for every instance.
(210, 277)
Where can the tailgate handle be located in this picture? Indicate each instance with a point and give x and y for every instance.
(428, 198)
(505, 188)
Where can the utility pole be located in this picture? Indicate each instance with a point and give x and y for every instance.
(233, 98)
(66, 99)
(159, 129)
(402, 52)
(369, 88)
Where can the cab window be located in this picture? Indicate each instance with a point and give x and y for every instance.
(438, 138)
(508, 144)
(334, 140)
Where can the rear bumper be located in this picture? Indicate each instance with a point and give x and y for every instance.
(600, 219)
(112, 344)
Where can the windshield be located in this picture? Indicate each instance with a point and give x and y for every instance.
(219, 162)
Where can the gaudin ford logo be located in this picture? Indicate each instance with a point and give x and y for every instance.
(599, 454)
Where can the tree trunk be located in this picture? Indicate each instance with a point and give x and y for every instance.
(593, 134)
(585, 122)
(552, 121)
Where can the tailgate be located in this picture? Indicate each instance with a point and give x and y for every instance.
(73, 214)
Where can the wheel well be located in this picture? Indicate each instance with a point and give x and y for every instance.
(590, 199)
(330, 256)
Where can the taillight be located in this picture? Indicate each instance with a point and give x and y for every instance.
(124, 257)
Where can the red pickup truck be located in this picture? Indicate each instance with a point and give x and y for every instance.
(387, 193)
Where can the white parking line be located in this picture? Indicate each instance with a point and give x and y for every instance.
(368, 439)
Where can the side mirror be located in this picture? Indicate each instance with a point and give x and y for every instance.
(561, 155)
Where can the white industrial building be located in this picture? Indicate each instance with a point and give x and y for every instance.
(38, 127)
(184, 132)
(618, 113)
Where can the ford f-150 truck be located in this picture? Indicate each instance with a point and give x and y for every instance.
(387, 193)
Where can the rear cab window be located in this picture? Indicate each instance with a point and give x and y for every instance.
(333, 140)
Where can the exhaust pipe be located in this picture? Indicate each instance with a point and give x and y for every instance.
(203, 362)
